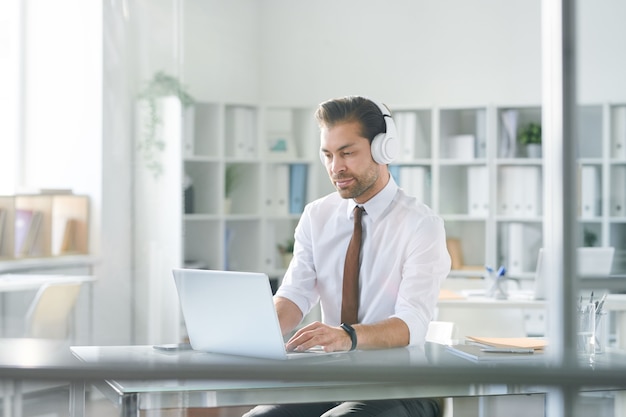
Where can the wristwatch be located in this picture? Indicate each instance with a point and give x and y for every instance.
(352, 333)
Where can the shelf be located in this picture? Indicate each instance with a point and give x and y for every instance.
(615, 283)
(464, 162)
(43, 225)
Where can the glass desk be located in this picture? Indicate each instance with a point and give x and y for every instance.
(143, 377)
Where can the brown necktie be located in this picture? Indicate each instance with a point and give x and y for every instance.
(350, 301)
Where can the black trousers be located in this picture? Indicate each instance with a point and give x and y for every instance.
(421, 407)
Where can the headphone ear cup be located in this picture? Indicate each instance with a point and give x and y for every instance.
(384, 148)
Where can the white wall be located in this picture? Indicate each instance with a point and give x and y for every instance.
(402, 51)
(11, 86)
(222, 49)
(601, 41)
(430, 53)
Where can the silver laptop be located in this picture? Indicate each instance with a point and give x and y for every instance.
(231, 313)
(592, 262)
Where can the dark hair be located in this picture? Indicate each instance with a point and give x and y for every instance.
(352, 109)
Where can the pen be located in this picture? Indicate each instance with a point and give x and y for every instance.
(501, 271)
(507, 350)
(600, 304)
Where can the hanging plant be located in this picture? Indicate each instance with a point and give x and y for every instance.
(151, 145)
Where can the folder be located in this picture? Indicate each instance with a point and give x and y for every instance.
(477, 191)
(510, 342)
(589, 192)
(278, 185)
(476, 354)
(619, 133)
(413, 181)
(297, 187)
(406, 125)
(243, 132)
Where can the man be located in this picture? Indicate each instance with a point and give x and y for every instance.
(403, 256)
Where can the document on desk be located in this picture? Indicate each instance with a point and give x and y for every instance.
(478, 353)
(510, 342)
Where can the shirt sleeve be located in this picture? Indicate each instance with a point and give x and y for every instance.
(299, 282)
(427, 264)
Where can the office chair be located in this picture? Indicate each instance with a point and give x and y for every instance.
(47, 318)
(49, 312)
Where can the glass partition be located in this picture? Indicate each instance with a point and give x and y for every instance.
(200, 151)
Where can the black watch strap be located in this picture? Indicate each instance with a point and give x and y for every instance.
(351, 332)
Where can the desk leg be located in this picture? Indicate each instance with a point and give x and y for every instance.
(620, 329)
(17, 399)
(129, 406)
(77, 399)
(619, 404)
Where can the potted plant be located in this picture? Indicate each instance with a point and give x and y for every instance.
(286, 252)
(151, 144)
(530, 137)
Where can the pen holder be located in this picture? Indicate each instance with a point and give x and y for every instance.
(601, 333)
(586, 336)
(497, 288)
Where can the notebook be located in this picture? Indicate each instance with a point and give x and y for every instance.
(592, 262)
(231, 313)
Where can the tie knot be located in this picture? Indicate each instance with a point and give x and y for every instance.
(358, 212)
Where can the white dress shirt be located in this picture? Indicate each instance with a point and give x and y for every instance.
(404, 259)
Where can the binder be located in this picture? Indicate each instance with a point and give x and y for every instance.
(278, 186)
(189, 131)
(618, 192)
(589, 192)
(461, 147)
(297, 187)
(481, 134)
(413, 181)
(477, 191)
(619, 133)
(406, 125)
(523, 243)
(530, 197)
(516, 249)
(519, 191)
(243, 132)
(506, 191)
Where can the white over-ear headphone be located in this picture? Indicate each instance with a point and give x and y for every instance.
(384, 146)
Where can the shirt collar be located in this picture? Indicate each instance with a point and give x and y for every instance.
(376, 205)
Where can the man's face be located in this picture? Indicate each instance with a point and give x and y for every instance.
(349, 163)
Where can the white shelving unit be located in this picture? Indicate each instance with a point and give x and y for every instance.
(487, 189)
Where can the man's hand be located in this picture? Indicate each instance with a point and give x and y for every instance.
(388, 333)
(331, 339)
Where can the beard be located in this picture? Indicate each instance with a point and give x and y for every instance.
(361, 182)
